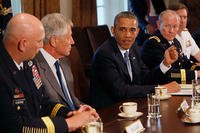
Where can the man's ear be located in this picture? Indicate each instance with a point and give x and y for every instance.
(22, 45)
(137, 30)
(112, 29)
(52, 41)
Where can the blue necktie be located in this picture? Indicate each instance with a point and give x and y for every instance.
(63, 87)
(128, 64)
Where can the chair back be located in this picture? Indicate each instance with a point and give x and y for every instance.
(97, 35)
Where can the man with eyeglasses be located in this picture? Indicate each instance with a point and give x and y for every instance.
(153, 49)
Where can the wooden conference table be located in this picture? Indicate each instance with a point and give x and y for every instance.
(170, 122)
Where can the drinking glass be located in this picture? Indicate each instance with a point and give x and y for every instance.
(93, 127)
(153, 105)
(196, 92)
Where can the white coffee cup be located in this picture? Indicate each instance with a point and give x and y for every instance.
(194, 115)
(161, 90)
(129, 108)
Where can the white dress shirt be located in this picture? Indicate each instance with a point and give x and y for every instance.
(188, 44)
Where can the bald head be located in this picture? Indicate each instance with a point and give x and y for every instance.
(22, 25)
(23, 34)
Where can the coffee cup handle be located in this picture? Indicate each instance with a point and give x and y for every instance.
(120, 109)
(83, 129)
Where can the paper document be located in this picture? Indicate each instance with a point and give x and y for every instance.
(186, 89)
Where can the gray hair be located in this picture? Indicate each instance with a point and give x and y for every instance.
(125, 14)
(168, 12)
(55, 24)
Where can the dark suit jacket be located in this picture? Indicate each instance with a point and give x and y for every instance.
(153, 53)
(140, 9)
(52, 87)
(111, 83)
(22, 100)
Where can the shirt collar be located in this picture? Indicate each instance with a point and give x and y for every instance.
(49, 58)
(122, 50)
(170, 42)
(19, 66)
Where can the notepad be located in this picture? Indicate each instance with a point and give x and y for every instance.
(186, 89)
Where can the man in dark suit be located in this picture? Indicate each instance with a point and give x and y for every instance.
(153, 49)
(57, 46)
(116, 76)
(24, 108)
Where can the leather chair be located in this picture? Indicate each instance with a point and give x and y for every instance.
(81, 82)
(97, 35)
(84, 48)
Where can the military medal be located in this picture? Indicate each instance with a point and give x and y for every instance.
(18, 98)
(36, 77)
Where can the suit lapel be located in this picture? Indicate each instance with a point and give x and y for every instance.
(120, 60)
(49, 74)
(122, 64)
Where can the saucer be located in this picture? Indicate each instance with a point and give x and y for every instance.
(187, 119)
(164, 97)
(136, 115)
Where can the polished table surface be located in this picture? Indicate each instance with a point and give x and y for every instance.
(170, 122)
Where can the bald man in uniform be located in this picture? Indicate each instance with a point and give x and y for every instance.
(23, 106)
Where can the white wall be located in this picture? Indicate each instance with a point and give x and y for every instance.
(16, 6)
(111, 8)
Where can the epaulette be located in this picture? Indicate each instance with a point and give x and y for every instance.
(154, 37)
(195, 67)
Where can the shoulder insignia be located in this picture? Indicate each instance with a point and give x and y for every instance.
(154, 37)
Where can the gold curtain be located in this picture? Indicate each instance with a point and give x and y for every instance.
(40, 8)
(84, 13)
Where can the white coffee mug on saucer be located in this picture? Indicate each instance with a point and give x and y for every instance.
(129, 108)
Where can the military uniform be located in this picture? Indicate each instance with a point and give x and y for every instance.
(153, 53)
(24, 109)
(188, 44)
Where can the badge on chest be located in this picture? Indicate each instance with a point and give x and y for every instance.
(18, 98)
(36, 75)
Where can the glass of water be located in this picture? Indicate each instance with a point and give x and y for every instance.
(196, 92)
(153, 105)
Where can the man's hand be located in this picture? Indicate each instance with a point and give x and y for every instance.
(171, 55)
(172, 87)
(80, 119)
(83, 108)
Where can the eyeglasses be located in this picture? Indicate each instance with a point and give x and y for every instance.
(168, 26)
